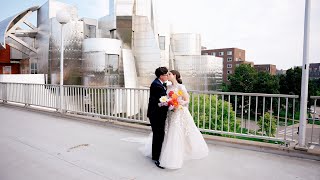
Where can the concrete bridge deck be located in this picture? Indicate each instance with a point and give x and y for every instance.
(37, 146)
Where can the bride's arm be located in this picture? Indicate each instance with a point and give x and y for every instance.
(185, 96)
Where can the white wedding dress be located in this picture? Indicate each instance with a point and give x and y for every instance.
(182, 141)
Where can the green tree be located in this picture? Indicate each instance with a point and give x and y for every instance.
(314, 90)
(246, 79)
(243, 79)
(290, 83)
(267, 125)
(218, 120)
(266, 83)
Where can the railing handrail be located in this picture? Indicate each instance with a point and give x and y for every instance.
(193, 91)
(246, 94)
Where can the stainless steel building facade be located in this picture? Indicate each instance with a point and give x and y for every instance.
(121, 49)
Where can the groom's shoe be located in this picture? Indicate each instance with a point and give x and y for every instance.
(158, 164)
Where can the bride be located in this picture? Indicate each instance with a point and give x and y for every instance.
(183, 140)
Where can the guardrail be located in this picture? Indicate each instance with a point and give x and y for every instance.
(272, 117)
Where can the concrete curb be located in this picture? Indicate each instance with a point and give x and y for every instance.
(216, 140)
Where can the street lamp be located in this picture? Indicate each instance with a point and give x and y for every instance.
(63, 18)
(305, 78)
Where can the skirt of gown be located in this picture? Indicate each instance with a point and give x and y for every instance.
(182, 141)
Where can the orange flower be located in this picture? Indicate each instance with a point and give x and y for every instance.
(174, 96)
(175, 102)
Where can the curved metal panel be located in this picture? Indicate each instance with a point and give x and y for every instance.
(124, 7)
(200, 72)
(186, 44)
(6, 24)
(146, 50)
(109, 46)
(129, 70)
(102, 62)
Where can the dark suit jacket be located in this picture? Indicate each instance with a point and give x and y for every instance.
(154, 111)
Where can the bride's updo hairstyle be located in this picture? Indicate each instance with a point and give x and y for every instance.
(178, 76)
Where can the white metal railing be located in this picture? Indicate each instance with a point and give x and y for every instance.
(314, 121)
(244, 115)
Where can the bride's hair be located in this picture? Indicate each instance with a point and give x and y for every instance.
(178, 76)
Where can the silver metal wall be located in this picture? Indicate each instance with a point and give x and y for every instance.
(186, 44)
(73, 38)
(48, 43)
(200, 72)
(121, 49)
(124, 7)
(146, 50)
(102, 62)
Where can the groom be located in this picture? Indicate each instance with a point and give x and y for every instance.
(157, 115)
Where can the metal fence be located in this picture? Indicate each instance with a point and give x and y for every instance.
(314, 122)
(250, 116)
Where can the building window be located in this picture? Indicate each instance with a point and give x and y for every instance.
(221, 53)
(205, 53)
(112, 64)
(6, 69)
(162, 42)
(92, 31)
(267, 68)
(229, 65)
(229, 52)
(34, 68)
(229, 72)
(213, 53)
(229, 59)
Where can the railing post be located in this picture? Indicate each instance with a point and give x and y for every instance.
(27, 95)
(5, 92)
(1, 92)
(56, 90)
(61, 98)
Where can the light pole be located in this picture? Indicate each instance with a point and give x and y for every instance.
(305, 78)
(63, 18)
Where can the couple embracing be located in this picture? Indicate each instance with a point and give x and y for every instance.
(175, 137)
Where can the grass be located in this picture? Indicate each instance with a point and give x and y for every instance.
(316, 122)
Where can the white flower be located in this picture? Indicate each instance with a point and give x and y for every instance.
(171, 107)
(169, 83)
(164, 99)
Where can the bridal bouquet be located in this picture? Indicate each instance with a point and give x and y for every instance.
(171, 100)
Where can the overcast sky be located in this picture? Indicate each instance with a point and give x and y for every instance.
(271, 31)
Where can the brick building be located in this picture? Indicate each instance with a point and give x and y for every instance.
(6, 66)
(314, 70)
(232, 57)
(269, 68)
